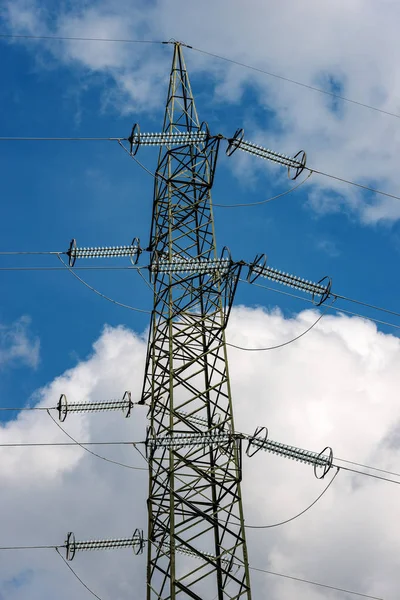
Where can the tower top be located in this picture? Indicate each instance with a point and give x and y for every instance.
(180, 109)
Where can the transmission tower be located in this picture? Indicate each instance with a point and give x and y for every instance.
(194, 503)
(193, 451)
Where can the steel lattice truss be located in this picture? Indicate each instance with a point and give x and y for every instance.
(194, 502)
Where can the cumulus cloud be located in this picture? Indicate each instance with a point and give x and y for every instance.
(336, 386)
(345, 48)
(18, 346)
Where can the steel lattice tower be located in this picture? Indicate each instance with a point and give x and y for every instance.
(194, 504)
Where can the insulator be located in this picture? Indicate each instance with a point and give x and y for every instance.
(323, 459)
(64, 408)
(72, 546)
(191, 265)
(320, 291)
(165, 138)
(199, 420)
(183, 440)
(297, 163)
(133, 251)
(228, 563)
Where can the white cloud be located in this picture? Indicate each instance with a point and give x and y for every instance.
(17, 344)
(329, 247)
(336, 386)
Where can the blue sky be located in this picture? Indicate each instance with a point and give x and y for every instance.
(92, 191)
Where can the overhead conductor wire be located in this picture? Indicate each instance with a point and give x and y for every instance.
(135, 445)
(337, 308)
(132, 268)
(22, 408)
(287, 342)
(78, 39)
(114, 462)
(324, 585)
(147, 312)
(299, 83)
(246, 204)
(76, 575)
(300, 513)
(138, 269)
(266, 287)
(226, 59)
(268, 572)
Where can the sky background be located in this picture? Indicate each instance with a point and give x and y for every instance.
(337, 385)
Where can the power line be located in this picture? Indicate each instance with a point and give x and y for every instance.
(316, 171)
(23, 408)
(338, 309)
(386, 310)
(16, 252)
(27, 547)
(26, 408)
(59, 139)
(114, 462)
(90, 287)
(55, 444)
(284, 343)
(299, 514)
(324, 585)
(137, 161)
(78, 39)
(359, 185)
(76, 575)
(132, 268)
(135, 268)
(311, 171)
(351, 462)
(247, 204)
(136, 443)
(72, 271)
(370, 475)
(304, 85)
(230, 60)
(310, 582)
